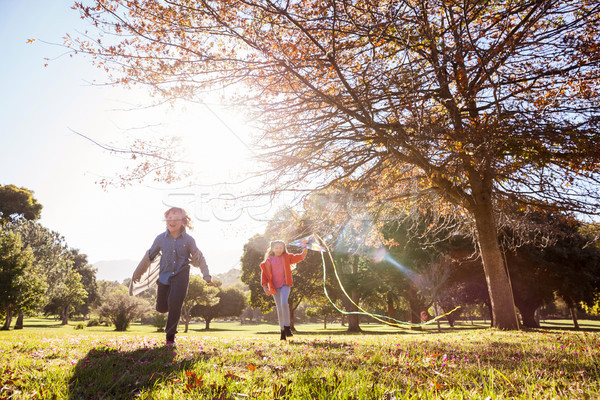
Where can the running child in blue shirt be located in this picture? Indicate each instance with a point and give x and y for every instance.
(177, 250)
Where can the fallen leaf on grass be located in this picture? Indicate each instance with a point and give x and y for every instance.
(436, 385)
(193, 381)
(231, 375)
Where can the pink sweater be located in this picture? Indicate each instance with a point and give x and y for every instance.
(288, 259)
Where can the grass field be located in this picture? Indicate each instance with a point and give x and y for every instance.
(233, 361)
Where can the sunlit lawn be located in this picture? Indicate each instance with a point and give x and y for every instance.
(233, 361)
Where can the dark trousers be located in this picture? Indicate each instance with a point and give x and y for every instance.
(169, 298)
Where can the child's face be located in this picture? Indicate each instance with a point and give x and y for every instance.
(278, 249)
(175, 222)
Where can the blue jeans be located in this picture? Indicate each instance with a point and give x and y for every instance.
(169, 298)
(283, 308)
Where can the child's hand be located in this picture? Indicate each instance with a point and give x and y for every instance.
(136, 277)
(211, 283)
(267, 291)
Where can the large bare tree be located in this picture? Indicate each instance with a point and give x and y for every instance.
(490, 106)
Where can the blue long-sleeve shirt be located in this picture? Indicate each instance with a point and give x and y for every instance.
(177, 254)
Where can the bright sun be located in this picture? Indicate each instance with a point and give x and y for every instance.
(215, 140)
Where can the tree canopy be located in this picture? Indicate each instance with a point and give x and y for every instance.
(18, 201)
(486, 108)
(21, 287)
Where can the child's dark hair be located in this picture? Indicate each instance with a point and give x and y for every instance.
(270, 251)
(187, 221)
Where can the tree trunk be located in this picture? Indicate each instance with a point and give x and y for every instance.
(207, 324)
(391, 312)
(528, 315)
(64, 316)
(501, 297)
(325, 322)
(415, 306)
(435, 308)
(574, 317)
(19, 323)
(353, 319)
(185, 314)
(8, 320)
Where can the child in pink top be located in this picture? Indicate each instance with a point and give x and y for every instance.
(276, 280)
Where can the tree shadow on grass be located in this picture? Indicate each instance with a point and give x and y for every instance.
(365, 331)
(108, 373)
(204, 330)
(53, 324)
(584, 326)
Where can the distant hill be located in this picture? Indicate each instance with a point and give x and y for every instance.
(114, 270)
(230, 278)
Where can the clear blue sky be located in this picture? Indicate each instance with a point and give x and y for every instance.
(40, 106)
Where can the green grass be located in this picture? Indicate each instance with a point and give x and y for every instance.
(233, 361)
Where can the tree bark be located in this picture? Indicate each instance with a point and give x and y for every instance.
(185, 314)
(574, 317)
(490, 313)
(64, 316)
(391, 312)
(501, 297)
(353, 319)
(528, 315)
(19, 323)
(207, 324)
(8, 320)
(435, 308)
(415, 306)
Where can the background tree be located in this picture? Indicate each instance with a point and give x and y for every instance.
(68, 294)
(477, 106)
(21, 288)
(121, 309)
(71, 280)
(569, 268)
(18, 204)
(51, 255)
(16, 201)
(465, 285)
(231, 304)
(199, 293)
(566, 267)
(88, 280)
(321, 308)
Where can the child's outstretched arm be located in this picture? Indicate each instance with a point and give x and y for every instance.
(294, 258)
(142, 267)
(199, 261)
